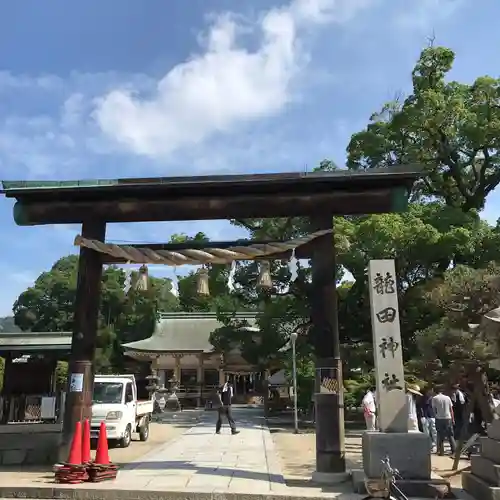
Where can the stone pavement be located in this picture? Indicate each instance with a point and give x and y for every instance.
(197, 465)
(203, 460)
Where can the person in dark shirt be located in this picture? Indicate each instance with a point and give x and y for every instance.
(225, 399)
(459, 407)
(427, 417)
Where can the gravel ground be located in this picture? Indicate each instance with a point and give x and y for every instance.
(298, 451)
(298, 455)
(161, 432)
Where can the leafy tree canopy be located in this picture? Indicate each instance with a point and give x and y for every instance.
(450, 127)
(49, 306)
(461, 338)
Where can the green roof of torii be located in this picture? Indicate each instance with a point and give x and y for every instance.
(342, 176)
(341, 192)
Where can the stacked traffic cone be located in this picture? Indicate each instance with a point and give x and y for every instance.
(86, 459)
(73, 471)
(101, 468)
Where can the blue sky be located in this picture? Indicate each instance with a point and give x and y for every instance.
(128, 88)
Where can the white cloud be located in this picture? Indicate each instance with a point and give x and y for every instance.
(86, 125)
(224, 86)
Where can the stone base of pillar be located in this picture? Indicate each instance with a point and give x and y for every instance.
(408, 452)
(330, 449)
(329, 477)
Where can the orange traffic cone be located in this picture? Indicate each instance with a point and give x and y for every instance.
(102, 453)
(75, 452)
(86, 459)
(102, 469)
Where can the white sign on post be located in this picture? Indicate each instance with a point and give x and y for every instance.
(76, 382)
(392, 409)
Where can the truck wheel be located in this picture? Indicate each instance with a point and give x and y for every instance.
(144, 430)
(127, 437)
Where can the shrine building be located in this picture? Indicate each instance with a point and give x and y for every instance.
(179, 349)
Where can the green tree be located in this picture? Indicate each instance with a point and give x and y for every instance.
(189, 299)
(305, 376)
(279, 311)
(219, 297)
(425, 242)
(49, 306)
(451, 128)
(461, 338)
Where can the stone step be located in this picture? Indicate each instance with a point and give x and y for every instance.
(485, 469)
(493, 430)
(478, 488)
(490, 449)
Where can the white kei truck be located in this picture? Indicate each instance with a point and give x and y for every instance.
(115, 402)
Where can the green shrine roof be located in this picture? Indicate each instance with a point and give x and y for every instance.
(175, 332)
(26, 342)
(183, 332)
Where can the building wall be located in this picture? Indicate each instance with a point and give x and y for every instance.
(168, 361)
(213, 361)
(29, 444)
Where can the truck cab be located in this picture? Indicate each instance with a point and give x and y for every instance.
(115, 402)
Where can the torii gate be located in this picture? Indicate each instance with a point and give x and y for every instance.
(318, 196)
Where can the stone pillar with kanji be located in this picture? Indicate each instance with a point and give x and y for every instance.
(392, 410)
(409, 452)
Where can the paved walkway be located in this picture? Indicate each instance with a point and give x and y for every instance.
(197, 465)
(203, 460)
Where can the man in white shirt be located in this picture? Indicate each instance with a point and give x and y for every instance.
(369, 410)
(443, 408)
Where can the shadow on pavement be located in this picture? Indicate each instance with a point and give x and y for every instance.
(209, 471)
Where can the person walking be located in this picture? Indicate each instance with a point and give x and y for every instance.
(428, 417)
(226, 393)
(459, 406)
(443, 410)
(369, 410)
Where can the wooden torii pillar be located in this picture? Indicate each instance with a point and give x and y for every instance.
(83, 344)
(329, 407)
